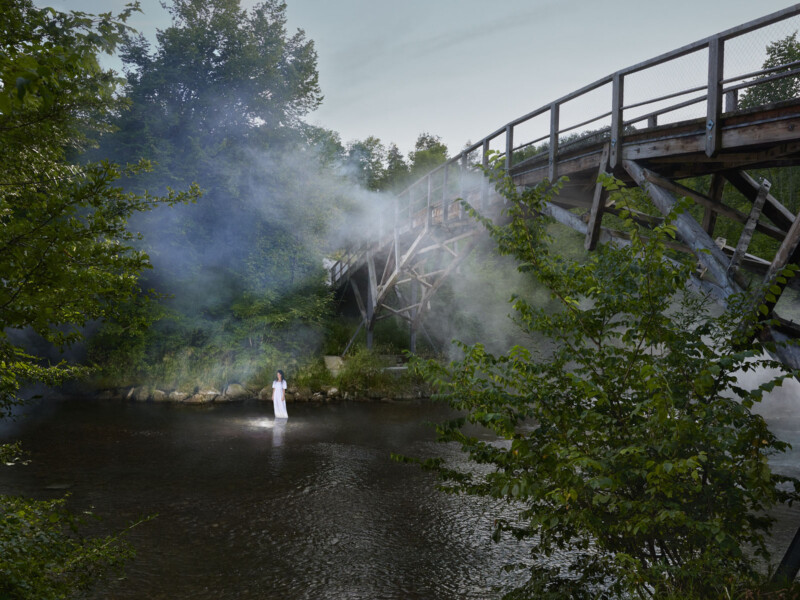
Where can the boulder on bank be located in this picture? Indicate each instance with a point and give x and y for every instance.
(177, 396)
(235, 392)
(140, 394)
(265, 394)
(202, 397)
(159, 396)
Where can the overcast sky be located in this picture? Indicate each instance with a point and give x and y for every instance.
(462, 68)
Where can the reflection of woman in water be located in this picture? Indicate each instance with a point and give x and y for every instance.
(279, 397)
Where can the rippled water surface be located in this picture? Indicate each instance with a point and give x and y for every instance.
(250, 508)
(312, 508)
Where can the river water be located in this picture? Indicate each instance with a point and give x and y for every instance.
(251, 508)
(312, 508)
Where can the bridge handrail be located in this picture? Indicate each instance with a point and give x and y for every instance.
(716, 88)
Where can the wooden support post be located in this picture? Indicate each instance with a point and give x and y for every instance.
(652, 121)
(716, 64)
(412, 326)
(552, 170)
(749, 228)
(428, 292)
(485, 178)
(617, 104)
(773, 209)
(732, 101)
(715, 195)
(509, 148)
(731, 213)
(790, 563)
(396, 233)
(429, 206)
(359, 301)
(445, 200)
(701, 244)
(372, 294)
(788, 253)
(598, 204)
(462, 184)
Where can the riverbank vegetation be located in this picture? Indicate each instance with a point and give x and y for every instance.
(628, 441)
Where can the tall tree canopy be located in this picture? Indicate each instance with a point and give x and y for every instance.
(65, 250)
(219, 100)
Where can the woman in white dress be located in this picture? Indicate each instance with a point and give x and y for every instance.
(279, 397)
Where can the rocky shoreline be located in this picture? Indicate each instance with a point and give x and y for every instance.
(236, 392)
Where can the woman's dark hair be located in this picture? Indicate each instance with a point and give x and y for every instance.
(283, 377)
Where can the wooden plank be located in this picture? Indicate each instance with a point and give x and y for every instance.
(773, 209)
(716, 64)
(701, 244)
(598, 203)
(749, 228)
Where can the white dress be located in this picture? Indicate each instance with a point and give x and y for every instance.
(279, 399)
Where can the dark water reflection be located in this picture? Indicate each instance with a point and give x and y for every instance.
(313, 508)
(308, 509)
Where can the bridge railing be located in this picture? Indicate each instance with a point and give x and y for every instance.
(705, 79)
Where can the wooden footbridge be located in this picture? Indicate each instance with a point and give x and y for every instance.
(711, 108)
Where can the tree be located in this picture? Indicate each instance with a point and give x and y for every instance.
(65, 251)
(429, 152)
(396, 174)
(66, 254)
(218, 99)
(625, 440)
(785, 51)
(367, 158)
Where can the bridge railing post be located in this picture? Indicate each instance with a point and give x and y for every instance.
(617, 123)
(462, 183)
(485, 180)
(716, 65)
(551, 168)
(445, 203)
(509, 148)
(429, 207)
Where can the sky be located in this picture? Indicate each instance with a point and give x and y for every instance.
(461, 69)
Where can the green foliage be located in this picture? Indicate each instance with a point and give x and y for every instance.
(363, 371)
(626, 441)
(780, 52)
(367, 158)
(44, 555)
(66, 254)
(429, 152)
(244, 340)
(311, 374)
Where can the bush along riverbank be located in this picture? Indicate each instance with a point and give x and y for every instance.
(363, 377)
